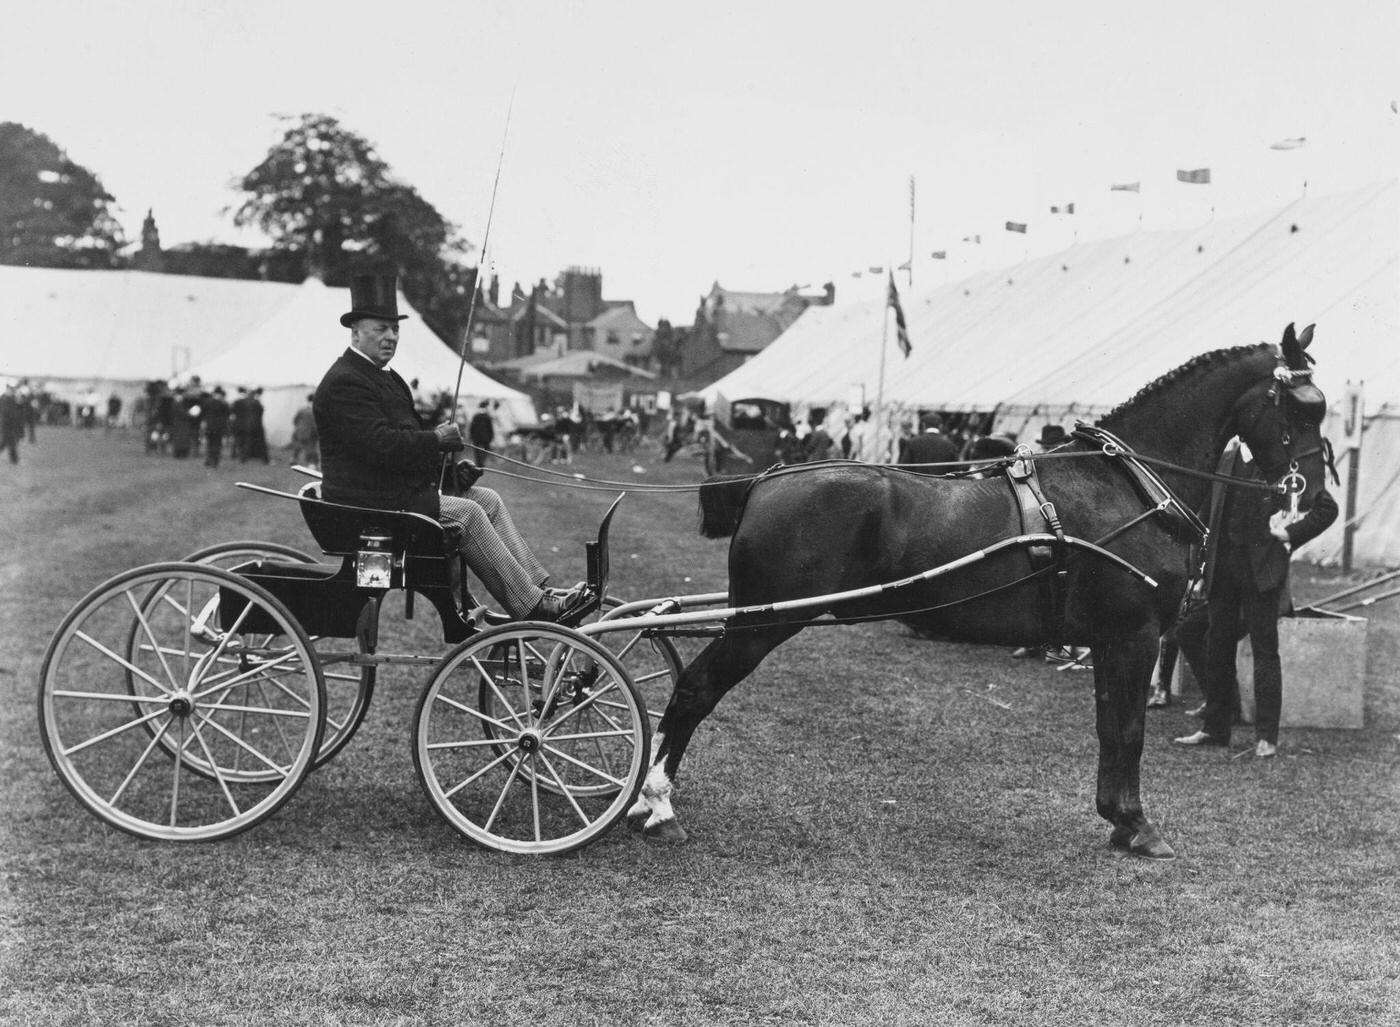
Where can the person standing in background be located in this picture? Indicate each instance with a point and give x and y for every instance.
(482, 432)
(304, 441)
(216, 415)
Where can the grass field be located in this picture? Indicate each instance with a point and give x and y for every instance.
(884, 830)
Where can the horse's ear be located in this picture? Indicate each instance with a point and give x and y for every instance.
(1289, 338)
(1305, 340)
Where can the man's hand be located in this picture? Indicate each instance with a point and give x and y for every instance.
(467, 475)
(449, 437)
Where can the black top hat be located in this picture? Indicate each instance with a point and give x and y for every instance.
(1052, 435)
(373, 296)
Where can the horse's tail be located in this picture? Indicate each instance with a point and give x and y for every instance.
(722, 499)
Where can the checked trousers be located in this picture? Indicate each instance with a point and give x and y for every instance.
(494, 549)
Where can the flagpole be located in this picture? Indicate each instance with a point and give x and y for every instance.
(911, 231)
(880, 390)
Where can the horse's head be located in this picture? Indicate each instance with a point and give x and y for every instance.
(1281, 421)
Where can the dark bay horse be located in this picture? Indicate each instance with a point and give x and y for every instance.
(824, 529)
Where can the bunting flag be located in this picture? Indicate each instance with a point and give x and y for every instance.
(901, 329)
(857, 274)
(876, 270)
(1126, 187)
(939, 254)
(1289, 144)
(1016, 226)
(905, 266)
(977, 239)
(1067, 208)
(1197, 176)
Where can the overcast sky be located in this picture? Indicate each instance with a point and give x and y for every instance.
(758, 144)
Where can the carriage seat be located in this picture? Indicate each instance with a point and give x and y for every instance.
(338, 527)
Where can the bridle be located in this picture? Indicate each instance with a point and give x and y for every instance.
(1293, 396)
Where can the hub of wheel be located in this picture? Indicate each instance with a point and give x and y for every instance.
(529, 742)
(181, 704)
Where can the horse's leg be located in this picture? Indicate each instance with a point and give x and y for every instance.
(1168, 650)
(1122, 667)
(720, 666)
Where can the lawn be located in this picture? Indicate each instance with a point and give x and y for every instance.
(883, 829)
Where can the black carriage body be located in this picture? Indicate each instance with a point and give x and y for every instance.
(329, 601)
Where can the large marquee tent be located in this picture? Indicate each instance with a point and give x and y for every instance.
(1072, 334)
(111, 332)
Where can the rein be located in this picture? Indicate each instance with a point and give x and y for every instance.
(1113, 450)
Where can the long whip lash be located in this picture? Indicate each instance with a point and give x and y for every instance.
(481, 264)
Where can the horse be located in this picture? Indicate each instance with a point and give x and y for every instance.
(822, 529)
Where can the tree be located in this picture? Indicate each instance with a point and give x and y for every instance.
(323, 192)
(53, 212)
(666, 348)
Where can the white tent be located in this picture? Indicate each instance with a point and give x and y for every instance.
(113, 331)
(1075, 333)
(116, 330)
(288, 353)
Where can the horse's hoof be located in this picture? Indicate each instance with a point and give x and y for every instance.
(665, 832)
(1144, 843)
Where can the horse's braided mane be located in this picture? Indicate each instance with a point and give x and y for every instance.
(1196, 365)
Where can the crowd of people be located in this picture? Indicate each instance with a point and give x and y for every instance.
(188, 420)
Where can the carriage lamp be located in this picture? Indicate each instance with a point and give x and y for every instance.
(374, 562)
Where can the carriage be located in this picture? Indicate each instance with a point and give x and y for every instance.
(189, 700)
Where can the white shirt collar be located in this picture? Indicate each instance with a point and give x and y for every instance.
(373, 363)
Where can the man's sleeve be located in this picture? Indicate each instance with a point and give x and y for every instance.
(1314, 522)
(354, 411)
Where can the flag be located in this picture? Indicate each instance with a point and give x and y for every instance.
(973, 239)
(1126, 187)
(1197, 176)
(1289, 144)
(1016, 226)
(939, 254)
(905, 266)
(857, 274)
(876, 270)
(901, 329)
(1068, 208)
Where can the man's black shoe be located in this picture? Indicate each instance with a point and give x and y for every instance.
(555, 607)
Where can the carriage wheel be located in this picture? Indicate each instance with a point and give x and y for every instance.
(554, 758)
(653, 662)
(348, 691)
(224, 724)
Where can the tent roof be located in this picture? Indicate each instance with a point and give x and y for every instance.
(124, 325)
(301, 340)
(1086, 327)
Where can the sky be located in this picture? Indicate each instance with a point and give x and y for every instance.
(760, 145)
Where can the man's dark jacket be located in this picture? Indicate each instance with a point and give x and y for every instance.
(928, 448)
(1252, 508)
(374, 450)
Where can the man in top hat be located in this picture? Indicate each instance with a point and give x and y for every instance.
(376, 452)
(1051, 435)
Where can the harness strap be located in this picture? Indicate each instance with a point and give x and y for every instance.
(1035, 507)
(1181, 519)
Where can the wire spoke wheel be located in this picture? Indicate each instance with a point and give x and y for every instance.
(181, 702)
(652, 660)
(349, 689)
(531, 738)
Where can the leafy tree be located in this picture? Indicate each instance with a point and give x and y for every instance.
(666, 347)
(324, 192)
(53, 212)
